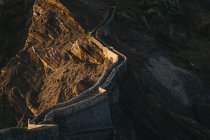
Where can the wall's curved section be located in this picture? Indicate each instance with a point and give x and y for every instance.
(86, 94)
(76, 107)
(88, 112)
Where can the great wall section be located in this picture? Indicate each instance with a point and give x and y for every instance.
(87, 116)
(104, 69)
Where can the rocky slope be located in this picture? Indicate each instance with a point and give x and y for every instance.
(166, 91)
(54, 65)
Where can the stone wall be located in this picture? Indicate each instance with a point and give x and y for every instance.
(76, 107)
(89, 102)
(86, 116)
(47, 132)
(88, 93)
(93, 119)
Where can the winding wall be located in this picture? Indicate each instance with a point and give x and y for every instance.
(115, 69)
(91, 97)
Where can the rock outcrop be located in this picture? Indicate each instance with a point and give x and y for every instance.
(49, 69)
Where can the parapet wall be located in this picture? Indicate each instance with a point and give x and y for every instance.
(90, 121)
(76, 107)
(106, 51)
(47, 132)
(89, 92)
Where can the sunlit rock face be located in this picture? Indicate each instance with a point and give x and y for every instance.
(49, 68)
